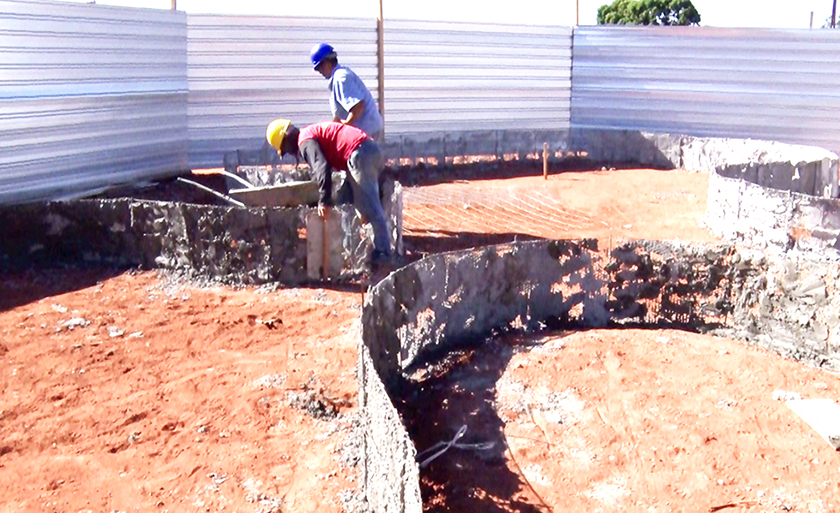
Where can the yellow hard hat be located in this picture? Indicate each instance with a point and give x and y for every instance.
(276, 131)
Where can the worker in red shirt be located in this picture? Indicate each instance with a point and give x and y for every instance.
(331, 145)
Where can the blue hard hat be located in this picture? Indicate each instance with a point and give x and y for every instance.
(319, 52)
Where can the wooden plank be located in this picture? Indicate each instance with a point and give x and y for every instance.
(290, 194)
(823, 415)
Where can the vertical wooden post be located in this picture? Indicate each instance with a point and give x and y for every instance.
(812, 20)
(380, 58)
(545, 161)
(326, 264)
(833, 13)
(174, 5)
(577, 12)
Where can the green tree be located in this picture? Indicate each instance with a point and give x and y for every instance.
(649, 12)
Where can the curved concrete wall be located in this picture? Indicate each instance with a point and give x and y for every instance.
(773, 219)
(761, 193)
(430, 307)
(229, 244)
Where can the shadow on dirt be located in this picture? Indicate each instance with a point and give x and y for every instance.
(23, 286)
(441, 398)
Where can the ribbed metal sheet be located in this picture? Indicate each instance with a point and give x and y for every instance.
(90, 96)
(747, 83)
(245, 71)
(449, 77)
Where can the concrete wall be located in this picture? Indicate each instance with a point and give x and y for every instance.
(436, 304)
(229, 244)
(788, 167)
(775, 220)
(443, 145)
(761, 193)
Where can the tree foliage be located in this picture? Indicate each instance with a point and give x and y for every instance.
(649, 12)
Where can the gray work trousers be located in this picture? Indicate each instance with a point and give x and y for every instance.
(364, 166)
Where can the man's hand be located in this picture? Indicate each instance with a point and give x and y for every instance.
(324, 210)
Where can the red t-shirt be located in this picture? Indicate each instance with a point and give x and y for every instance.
(337, 141)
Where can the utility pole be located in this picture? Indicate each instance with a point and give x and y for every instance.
(380, 58)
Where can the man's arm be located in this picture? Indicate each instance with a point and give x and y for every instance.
(354, 113)
(312, 153)
(349, 92)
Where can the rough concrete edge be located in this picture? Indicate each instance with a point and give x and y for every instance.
(774, 220)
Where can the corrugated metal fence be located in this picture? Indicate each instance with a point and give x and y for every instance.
(93, 95)
(779, 85)
(245, 71)
(450, 77)
(89, 96)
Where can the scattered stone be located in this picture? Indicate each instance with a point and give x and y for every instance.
(217, 478)
(313, 404)
(784, 395)
(114, 332)
(269, 381)
(727, 403)
(75, 322)
(268, 504)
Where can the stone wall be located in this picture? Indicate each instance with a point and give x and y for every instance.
(229, 244)
(428, 308)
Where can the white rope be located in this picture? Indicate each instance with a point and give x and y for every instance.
(441, 447)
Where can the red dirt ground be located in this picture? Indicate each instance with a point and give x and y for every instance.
(126, 391)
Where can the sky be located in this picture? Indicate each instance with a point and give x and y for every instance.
(716, 13)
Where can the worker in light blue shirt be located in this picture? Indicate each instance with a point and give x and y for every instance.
(350, 101)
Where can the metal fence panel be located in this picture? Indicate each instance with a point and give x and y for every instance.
(90, 96)
(747, 83)
(445, 77)
(245, 71)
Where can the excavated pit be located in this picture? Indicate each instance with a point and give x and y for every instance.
(439, 335)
